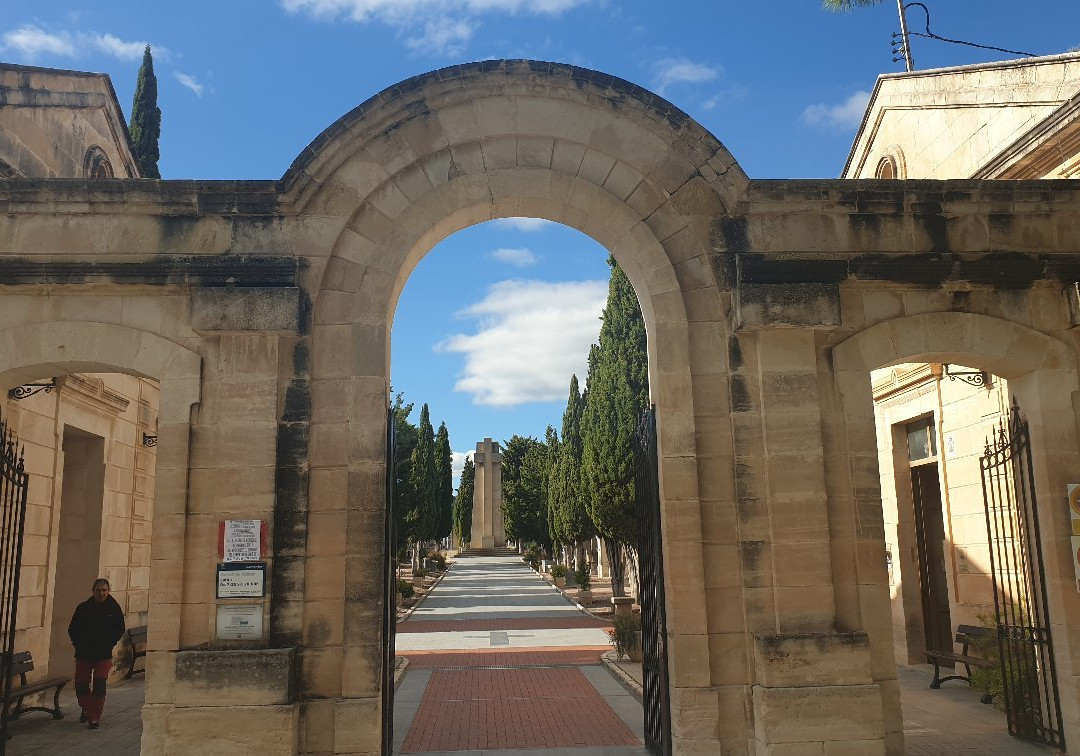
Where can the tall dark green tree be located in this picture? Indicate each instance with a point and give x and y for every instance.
(145, 127)
(423, 519)
(463, 503)
(618, 392)
(444, 482)
(404, 445)
(551, 438)
(569, 501)
(524, 490)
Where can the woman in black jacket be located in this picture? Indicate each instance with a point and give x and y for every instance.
(95, 627)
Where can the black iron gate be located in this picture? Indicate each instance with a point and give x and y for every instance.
(1026, 653)
(389, 621)
(13, 486)
(655, 696)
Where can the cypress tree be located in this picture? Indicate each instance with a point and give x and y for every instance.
(404, 445)
(572, 523)
(618, 392)
(552, 503)
(423, 517)
(524, 497)
(463, 503)
(145, 127)
(444, 480)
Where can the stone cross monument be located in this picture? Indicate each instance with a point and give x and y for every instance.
(487, 519)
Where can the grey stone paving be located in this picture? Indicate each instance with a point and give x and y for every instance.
(951, 720)
(121, 727)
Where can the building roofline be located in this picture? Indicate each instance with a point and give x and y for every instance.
(111, 92)
(1037, 60)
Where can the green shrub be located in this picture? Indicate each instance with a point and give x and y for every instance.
(558, 571)
(440, 560)
(583, 578)
(404, 587)
(532, 556)
(420, 572)
(624, 634)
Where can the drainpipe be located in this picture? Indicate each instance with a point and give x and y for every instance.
(938, 371)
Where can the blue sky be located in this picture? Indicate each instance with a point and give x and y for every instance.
(245, 85)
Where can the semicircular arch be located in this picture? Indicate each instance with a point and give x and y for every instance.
(60, 347)
(1002, 347)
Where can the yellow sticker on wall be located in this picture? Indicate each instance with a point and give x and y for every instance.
(1074, 500)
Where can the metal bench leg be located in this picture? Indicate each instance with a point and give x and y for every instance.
(56, 712)
(936, 682)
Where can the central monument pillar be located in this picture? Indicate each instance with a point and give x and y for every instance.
(487, 518)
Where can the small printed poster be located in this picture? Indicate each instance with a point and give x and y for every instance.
(240, 622)
(241, 580)
(242, 541)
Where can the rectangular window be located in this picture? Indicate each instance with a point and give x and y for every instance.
(921, 440)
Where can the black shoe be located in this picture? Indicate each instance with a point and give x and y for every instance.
(94, 725)
(82, 718)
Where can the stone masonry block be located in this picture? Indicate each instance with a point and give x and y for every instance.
(818, 714)
(263, 677)
(244, 309)
(794, 660)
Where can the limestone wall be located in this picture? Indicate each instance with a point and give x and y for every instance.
(53, 118)
(948, 123)
(965, 417)
(83, 528)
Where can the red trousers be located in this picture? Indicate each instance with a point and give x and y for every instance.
(90, 679)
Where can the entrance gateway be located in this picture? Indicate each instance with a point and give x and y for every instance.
(264, 309)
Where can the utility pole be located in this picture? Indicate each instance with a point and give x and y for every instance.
(905, 39)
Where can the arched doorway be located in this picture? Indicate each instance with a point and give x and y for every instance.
(94, 515)
(480, 142)
(1041, 375)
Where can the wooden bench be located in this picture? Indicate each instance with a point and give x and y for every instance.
(23, 662)
(138, 649)
(965, 636)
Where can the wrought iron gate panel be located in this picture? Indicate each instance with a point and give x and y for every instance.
(654, 667)
(389, 620)
(13, 487)
(1016, 566)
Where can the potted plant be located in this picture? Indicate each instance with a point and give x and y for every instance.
(418, 577)
(625, 636)
(405, 590)
(558, 573)
(584, 581)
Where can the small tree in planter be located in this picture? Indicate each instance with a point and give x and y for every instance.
(558, 572)
(584, 580)
(625, 636)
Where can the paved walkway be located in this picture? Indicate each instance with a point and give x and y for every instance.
(519, 670)
(499, 663)
(38, 734)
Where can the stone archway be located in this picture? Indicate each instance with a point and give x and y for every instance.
(60, 347)
(1042, 375)
(473, 143)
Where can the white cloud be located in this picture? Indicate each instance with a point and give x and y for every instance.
(190, 82)
(846, 115)
(524, 224)
(532, 335)
(458, 461)
(440, 26)
(442, 36)
(682, 71)
(33, 41)
(117, 47)
(519, 257)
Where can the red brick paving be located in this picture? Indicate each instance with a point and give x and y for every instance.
(537, 656)
(474, 709)
(536, 623)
